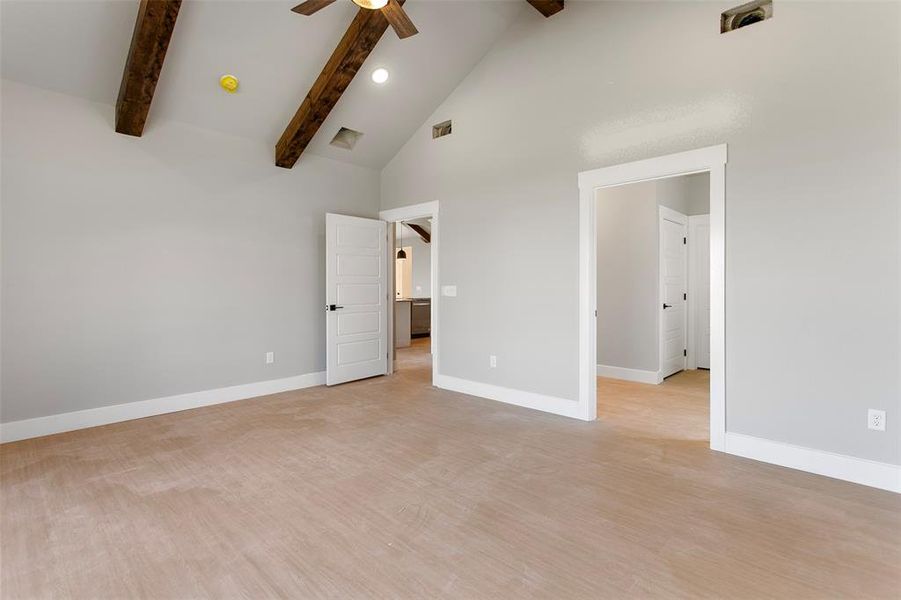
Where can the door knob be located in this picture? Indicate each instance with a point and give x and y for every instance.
(665, 305)
(332, 307)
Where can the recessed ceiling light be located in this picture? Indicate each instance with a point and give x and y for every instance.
(380, 75)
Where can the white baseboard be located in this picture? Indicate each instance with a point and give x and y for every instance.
(104, 415)
(550, 404)
(629, 374)
(880, 475)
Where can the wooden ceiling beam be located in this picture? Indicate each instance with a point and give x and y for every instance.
(420, 231)
(360, 38)
(149, 42)
(547, 7)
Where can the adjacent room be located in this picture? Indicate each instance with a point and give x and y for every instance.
(412, 331)
(653, 292)
(450, 299)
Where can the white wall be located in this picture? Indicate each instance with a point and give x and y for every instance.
(808, 104)
(136, 268)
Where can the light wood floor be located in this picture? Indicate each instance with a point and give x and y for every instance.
(388, 488)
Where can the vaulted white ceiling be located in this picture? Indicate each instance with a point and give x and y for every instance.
(79, 47)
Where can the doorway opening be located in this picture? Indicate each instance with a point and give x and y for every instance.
(412, 293)
(413, 271)
(653, 291)
(710, 160)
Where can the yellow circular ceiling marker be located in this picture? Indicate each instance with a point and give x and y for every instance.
(229, 83)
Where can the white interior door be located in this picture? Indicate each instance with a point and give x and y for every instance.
(699, 288)
(356, 283)
(673, 291)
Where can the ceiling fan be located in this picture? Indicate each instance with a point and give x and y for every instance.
(391, 9)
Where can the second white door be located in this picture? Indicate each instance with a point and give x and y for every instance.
(673, 290)
(699, 291)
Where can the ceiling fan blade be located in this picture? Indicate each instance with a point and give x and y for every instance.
(311, 6)
(399, 20)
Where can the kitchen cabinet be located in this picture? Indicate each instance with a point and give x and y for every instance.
(421, 317)
(402, 328)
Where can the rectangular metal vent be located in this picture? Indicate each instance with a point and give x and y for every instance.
(346, 138)
(442, 129)
(746, 14)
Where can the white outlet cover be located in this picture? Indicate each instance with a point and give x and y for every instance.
(270, 358)
(449, 290)
(876, 419)
(492, 361)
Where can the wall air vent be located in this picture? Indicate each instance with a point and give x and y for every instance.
(442, 129)
(746, 14)
(346, 138)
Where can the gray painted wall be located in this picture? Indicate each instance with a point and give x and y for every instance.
(136, 268)
(627, 277)
(812, 198)
(689, 194)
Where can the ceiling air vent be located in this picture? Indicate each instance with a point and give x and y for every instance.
(746, 14)
(346, 138)
(442, 129)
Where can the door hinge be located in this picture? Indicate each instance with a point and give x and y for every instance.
(684, 352)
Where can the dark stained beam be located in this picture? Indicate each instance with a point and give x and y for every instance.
(360, 38)
(399, 20)
(426, 237)
(149, 42)
(547, 7)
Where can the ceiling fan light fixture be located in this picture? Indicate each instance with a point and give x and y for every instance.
(371, 4)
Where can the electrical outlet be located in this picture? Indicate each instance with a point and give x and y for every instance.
(449, 290)
(876, 419)
(270, 358)
(492, 361)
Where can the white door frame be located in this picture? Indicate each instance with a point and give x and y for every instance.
(664, 212)
(711, 159)
(408, 213)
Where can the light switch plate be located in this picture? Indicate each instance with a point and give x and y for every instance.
(448, 290)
